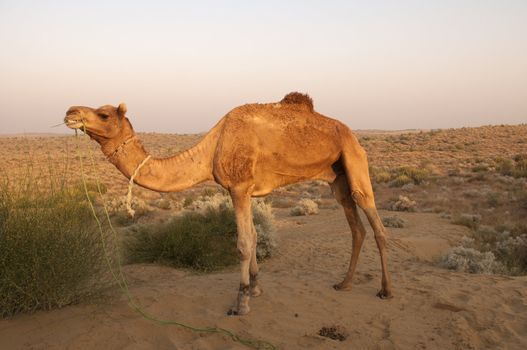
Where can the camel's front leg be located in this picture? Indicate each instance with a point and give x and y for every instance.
(241, 201)
(256, 290)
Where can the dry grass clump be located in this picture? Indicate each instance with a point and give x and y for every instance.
(393, 221)
(279, 202)
(203, 239)
(381, 175)
(50, 248)
(417, 176)
(304, 207)
(471, 221)
(400, 176)
(403, 203)
(515, 167)
(162, 203)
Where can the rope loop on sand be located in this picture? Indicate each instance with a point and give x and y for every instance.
(118, 275)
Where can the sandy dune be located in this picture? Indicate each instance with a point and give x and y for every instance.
(433, 308)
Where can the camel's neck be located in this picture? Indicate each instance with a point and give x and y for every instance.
(170, 174)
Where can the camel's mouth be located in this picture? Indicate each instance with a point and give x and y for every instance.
(73, 123)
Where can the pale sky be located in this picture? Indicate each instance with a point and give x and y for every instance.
(182, 65)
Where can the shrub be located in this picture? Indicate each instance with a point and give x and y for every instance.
(520, 157)
(209, 192)
(409, 174)
(489, 251)
(204, 240)
(520, 167)
(380, 175)
(282, 203)
(472, 193)
(403, 203)
(469, 220)
(504, 166)
(470, 260)
(393, 221)
(117, 209)
(480, 167)
(401, 180)
(512, 252)
(264, 224)
(51, 250)
(187, 202)
(162, 203)
(493, 199)
(304, 207)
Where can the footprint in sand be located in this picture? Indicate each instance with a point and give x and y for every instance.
(448, 306)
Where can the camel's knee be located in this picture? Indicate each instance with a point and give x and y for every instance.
(380, 238)
(244, 247)
(363, 199)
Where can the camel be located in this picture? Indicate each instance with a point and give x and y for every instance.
(252, 150)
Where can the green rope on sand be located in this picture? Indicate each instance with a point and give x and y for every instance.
(121, 281)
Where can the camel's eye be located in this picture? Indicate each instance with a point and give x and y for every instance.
(103, 116)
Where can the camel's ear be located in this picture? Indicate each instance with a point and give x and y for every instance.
(121, 109)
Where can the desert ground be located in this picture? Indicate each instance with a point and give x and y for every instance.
(433, 307)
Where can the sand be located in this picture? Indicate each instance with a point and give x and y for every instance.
(433, 308)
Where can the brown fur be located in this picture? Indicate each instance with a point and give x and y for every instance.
(254, 149)
(298, 98)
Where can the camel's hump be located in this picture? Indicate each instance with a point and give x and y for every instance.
(298, 98)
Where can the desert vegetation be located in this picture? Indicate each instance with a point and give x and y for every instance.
(202, 239)
(305, 206)
(473, 177)
(51, 249)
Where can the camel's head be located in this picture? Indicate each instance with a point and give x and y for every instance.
(106, 122)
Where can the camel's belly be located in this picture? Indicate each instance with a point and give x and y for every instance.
(266, 184)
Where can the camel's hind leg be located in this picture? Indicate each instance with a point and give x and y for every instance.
(342, 193)
(356, 165)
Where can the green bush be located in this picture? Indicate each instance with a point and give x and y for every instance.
(468, 220)
(480, 168)
(50, 249)
(201, 240)
(520, 168)
(516, 167)
(504, 166)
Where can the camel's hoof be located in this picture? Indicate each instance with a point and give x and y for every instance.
(342, 287)
(384, 294)
(256, 291)
(240, 311)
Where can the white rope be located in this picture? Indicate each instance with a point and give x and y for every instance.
(131, 184)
